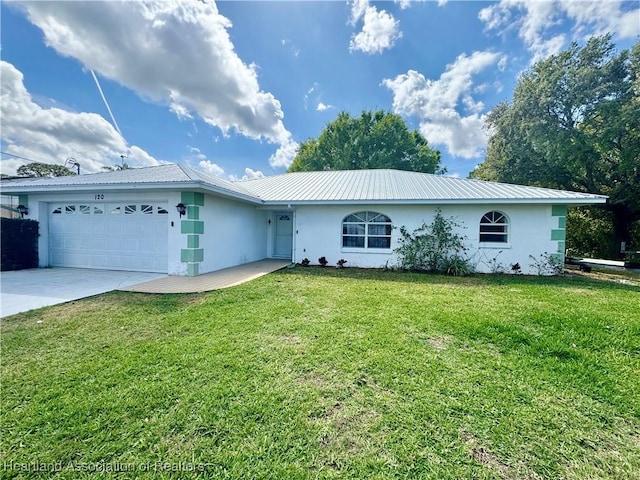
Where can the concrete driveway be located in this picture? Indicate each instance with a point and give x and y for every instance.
(24, 290)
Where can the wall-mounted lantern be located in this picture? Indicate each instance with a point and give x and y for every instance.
(23, 210)
(182, 208)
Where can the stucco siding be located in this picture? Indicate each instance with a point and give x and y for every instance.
(234, 233)
(319, 233)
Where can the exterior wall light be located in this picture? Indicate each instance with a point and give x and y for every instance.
(182, 209)
(23, 210)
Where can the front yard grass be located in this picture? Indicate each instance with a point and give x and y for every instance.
(326, 373)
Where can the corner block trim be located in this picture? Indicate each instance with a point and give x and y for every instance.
(192, 227)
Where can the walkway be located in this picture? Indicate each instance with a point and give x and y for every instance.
(210, 281)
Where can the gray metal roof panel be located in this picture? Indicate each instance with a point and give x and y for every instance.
(392, 186)
(396, 185)
(162, 173)
(166, 175)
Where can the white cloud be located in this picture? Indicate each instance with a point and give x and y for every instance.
(51, 134)
(211, 168)
(358, 7)
(502, 64)
(283, 157)
(322, 107)
(535, 21)
(380, 29)
(436, 103)
(403, 3)
(249, 174)
(295, 50)
(174, 52)
(313, 88)
(180, 111)
(463, 136)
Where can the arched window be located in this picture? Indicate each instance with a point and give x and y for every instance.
(366, 230)
(494, 228)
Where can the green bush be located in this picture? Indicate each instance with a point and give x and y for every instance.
(19, 244)
(434, 248)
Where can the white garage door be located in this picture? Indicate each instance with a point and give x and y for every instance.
(115, 236)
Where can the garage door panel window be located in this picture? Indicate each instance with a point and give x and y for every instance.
(366, 230)
(494, 228)
(117, 235)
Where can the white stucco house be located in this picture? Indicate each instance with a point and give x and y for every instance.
(130, 220)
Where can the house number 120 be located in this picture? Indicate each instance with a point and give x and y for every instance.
(99, 196)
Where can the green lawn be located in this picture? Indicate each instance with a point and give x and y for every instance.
(326, 373)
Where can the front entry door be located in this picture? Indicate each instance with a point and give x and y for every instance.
(283, 235)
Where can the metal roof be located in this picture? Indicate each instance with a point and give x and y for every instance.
(346, 186)
(162, 176)
(396, 186)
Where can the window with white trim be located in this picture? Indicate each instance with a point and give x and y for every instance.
(366, 230)
(494, 228)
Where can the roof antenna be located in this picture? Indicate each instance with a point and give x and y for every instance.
(73, 162)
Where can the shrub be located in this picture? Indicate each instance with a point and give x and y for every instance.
(434, 248)
(19, 244)
(340, 263)
(547, 264)
(494, 265)
(323, 261)
(305, 262)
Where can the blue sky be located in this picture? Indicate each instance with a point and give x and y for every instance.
(233, 87)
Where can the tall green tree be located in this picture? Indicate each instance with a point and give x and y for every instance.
(372, 140)
(38, 169)
(574, 123)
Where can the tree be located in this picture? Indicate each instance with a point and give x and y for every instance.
(574, 123)
(373, 140)
(115, 168)
(37, 169)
